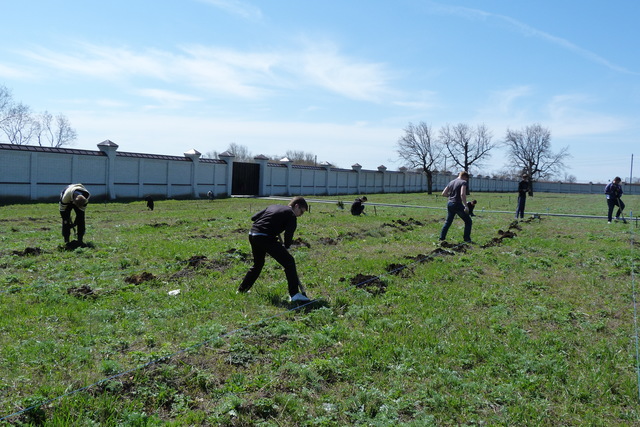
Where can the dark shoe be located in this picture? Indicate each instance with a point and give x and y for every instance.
(243, 291)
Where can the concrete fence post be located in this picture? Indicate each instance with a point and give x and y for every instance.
(109, 148)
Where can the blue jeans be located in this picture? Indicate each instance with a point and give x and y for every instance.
(522, 200)
(454, 209)
(611, 204)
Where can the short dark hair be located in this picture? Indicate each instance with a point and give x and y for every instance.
(300, 202)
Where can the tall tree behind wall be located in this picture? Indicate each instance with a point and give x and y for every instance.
(530, 151)
(420, 150)
(21, 126)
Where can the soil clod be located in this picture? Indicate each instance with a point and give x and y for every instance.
(137, 279)
(84, 291)
(371, 284)
(28, 252)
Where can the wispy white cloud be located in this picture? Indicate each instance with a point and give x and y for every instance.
(324, 66)
(504, 101)
(530, 31)
(238, 8)
(7, 72)
(227, 71)
(168, 98)
(569, 117)
(105, 63)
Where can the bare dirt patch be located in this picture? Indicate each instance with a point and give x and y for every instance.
(84, 291)
(371, 284)
(399, 270)
(328, 241)
(28, 252)
(403, 225)
(137, 279)
(300, 243)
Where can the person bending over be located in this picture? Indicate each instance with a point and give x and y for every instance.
(73, 198)
(264, 238)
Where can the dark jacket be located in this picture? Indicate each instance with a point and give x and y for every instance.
(357, 207)
(274, 220)
(613, 190)
(524, 188)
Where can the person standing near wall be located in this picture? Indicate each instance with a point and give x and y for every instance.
(264, 238)
(524, 188)
(456, 191)
(613, 192)
(73, 198)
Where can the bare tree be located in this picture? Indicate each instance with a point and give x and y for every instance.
(300, 157)
(467, 146)
(241, 152)
(18, 125)
(213, 154)
(6, 99)
(530, 151)
(54, 133)
(21, 126)
(420, 150)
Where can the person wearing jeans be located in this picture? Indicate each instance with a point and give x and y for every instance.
(456, 191)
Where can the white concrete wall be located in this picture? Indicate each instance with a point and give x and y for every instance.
(40, 173)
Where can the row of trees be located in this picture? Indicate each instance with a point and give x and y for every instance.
(21, 126)
(529, 150)
(242, 154)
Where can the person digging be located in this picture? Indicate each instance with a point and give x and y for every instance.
(264, 238)
(74, 197)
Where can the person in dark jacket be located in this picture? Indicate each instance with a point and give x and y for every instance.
(357, 207)
(150, 203)
(264, 238)
(524, 188)
(73, 198)
(613, 192)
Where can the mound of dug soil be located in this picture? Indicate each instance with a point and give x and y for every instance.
(84, 291)
(136, 279)
(371, 284)
(399, 270)
(28, 252)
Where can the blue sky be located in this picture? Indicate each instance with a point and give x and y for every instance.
(340, 79)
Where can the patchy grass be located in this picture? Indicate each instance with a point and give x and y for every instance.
(532, 325)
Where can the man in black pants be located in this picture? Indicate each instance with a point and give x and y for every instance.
(613, 192)
(74, 197)
(524, 188)
(264, 238)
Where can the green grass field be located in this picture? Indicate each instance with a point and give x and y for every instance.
(533, 324)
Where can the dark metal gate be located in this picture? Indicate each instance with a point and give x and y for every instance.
(246, 179)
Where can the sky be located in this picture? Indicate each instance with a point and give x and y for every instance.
(339, 79)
